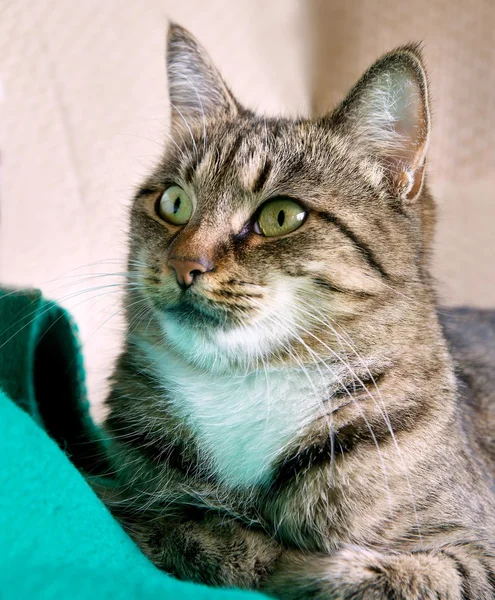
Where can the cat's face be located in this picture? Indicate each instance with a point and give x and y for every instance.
(252, 233)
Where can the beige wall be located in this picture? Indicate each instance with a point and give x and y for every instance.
(84, 114)
(459, 47)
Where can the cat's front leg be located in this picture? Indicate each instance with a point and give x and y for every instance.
(214, 550)
(451, 573)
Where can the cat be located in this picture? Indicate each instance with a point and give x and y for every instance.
(285, 415)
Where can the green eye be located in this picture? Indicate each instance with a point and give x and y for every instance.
(175, 206)
(279, 217)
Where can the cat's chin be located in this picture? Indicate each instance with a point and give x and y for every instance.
(209, 340)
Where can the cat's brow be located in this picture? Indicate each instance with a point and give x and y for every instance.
(146, 190)
(262, 176)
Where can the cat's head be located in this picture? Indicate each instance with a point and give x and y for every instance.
(253, 232)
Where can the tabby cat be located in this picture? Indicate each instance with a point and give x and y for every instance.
(285, 414)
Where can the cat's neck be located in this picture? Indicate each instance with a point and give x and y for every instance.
(242, 421)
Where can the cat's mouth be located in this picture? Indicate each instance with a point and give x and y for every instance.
(190, 312)
(211, 329)
(228, 321)
(216, 309)
(206, 305)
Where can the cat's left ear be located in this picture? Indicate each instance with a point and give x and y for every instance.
(196, 88)
(388, 111)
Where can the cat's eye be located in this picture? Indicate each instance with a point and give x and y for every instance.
(280, 216)
(175, 206)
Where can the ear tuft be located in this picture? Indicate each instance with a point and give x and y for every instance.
(388, 111)
(196, 88)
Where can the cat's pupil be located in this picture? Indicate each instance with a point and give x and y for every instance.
(176, 205)
(281, 218)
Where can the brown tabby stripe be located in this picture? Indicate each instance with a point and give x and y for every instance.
(300, 462)
(365, 250)
(227, 163)
(146, 191)
(189, 171)
(431, 531)
(325, 283)
(342, 442)
(483, 556)
(331, 287)
(466, 593)
(262, 177)
(490, 574)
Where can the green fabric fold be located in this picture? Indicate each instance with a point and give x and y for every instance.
(56, 538)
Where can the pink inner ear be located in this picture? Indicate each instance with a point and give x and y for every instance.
(412, 127)
(397, 115)
(408, 118)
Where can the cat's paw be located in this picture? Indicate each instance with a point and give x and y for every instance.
(356, 573)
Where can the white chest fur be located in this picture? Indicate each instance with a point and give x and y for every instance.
(242, 422)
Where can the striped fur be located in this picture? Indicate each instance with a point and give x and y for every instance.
(292, 422)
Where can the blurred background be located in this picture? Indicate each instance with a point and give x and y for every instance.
(83, 115)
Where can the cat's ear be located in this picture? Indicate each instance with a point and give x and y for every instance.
(196, 89)
(388, 111)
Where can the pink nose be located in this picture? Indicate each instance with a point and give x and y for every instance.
(186, 270)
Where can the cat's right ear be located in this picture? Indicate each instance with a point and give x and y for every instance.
(196, 89)
(387, 111)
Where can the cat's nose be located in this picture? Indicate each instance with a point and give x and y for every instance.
(187, 270)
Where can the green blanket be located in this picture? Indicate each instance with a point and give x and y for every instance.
(57, 540)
